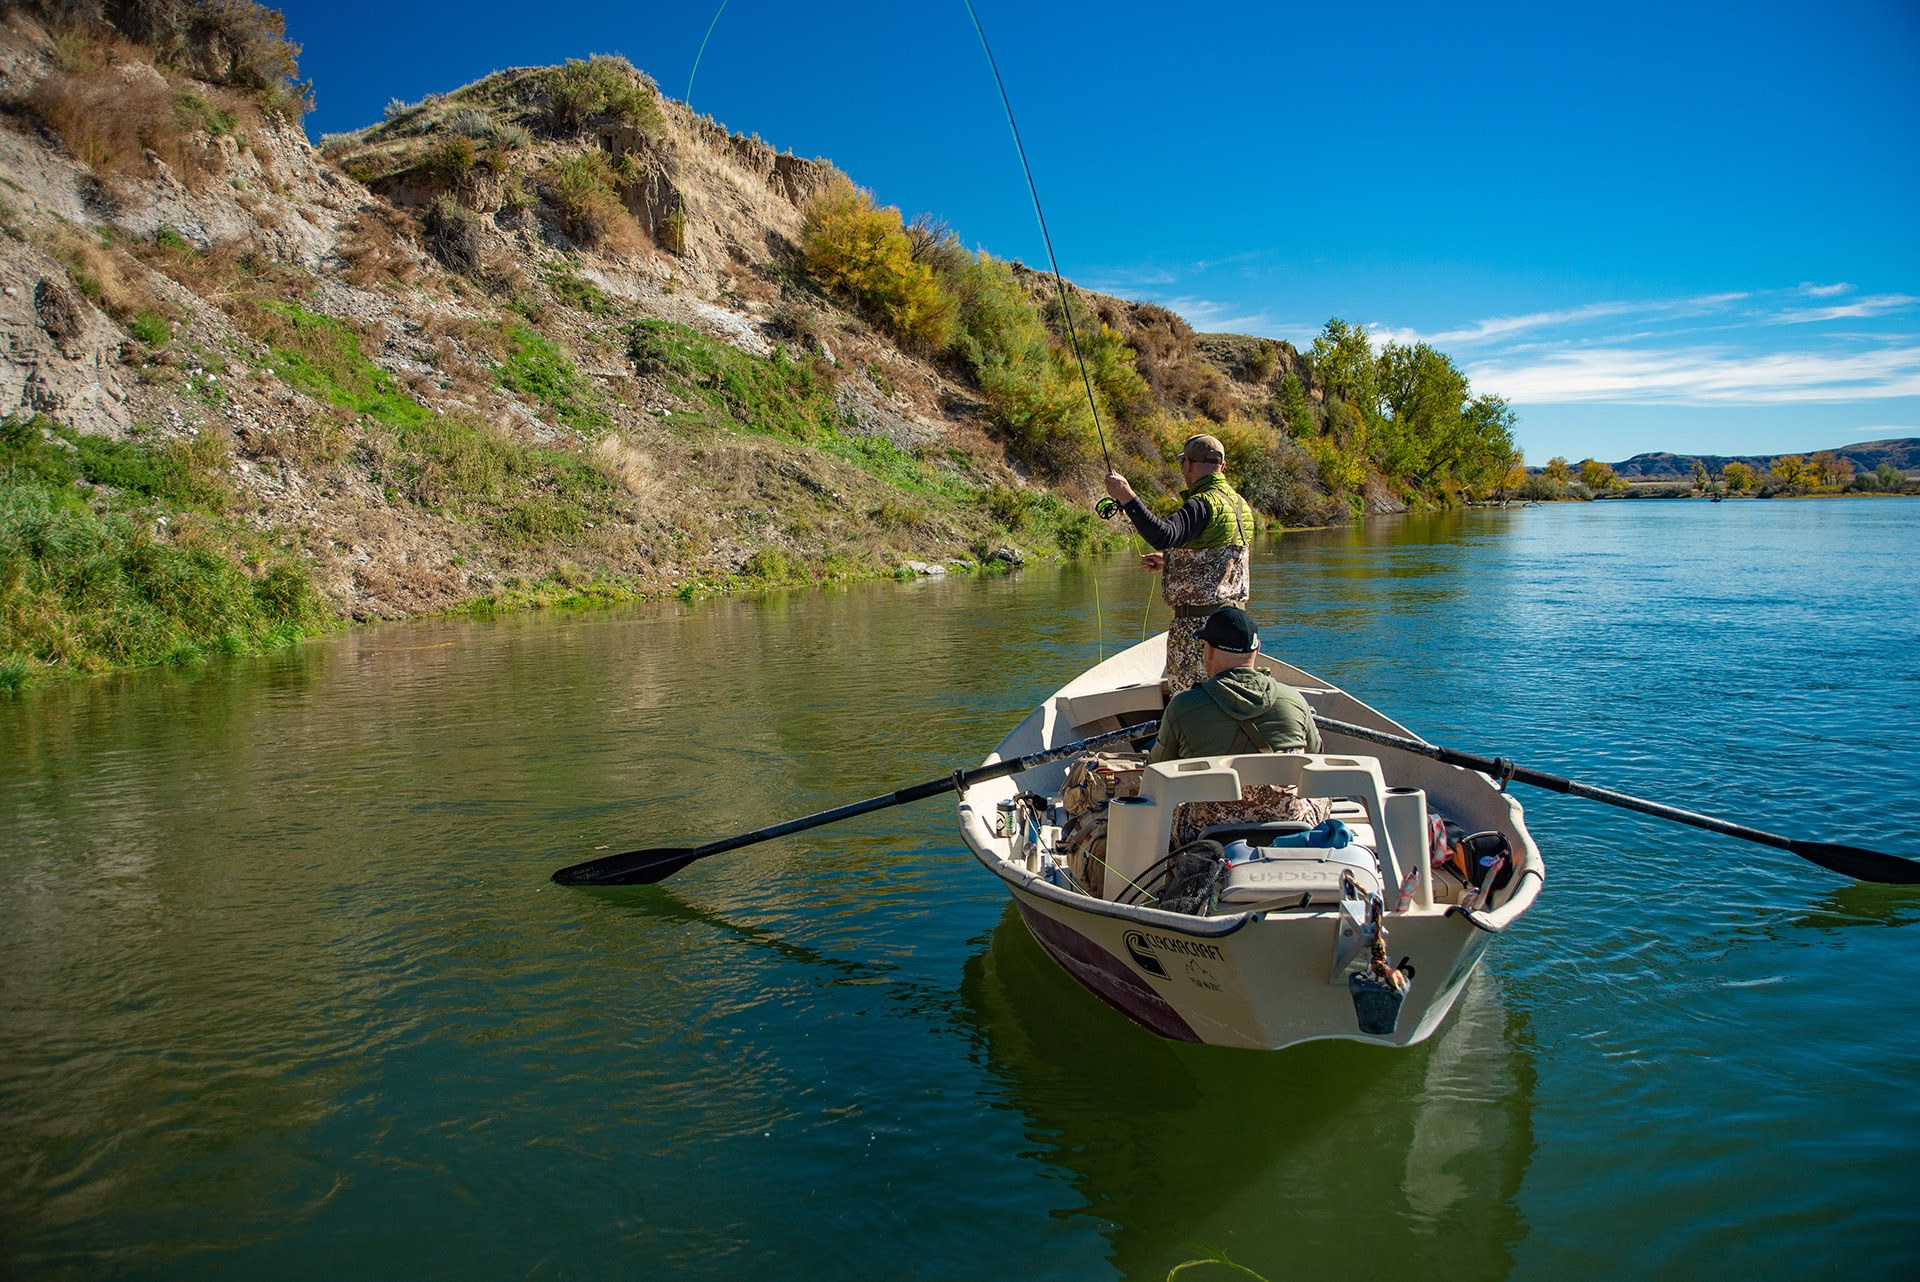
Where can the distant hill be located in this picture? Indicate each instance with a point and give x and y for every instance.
(1903, 453)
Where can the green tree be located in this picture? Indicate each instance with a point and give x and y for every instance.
(1558, 470)
(1422, 393)
(1484, 442)
(1596, 476)
(1699, 476)
(1343, 365)
(1739, 477)
(1296, 409)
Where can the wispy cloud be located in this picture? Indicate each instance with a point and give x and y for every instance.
(1873, 305)
(1210, 317)
(1128, 281)
(1812, 290)
(1501, 328)
(1701, 376)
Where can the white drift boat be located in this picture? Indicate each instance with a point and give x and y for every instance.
(1283, 950)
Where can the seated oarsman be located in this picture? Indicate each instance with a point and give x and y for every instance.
(1237, 709)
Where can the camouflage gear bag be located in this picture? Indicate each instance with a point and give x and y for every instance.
(1093, 780)
(1259, 803)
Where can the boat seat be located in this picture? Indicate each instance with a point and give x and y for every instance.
(1140, 828)
(1082, 710)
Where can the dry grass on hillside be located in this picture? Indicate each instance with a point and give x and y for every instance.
(117, 114)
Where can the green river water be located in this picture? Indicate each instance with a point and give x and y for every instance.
(285, 991)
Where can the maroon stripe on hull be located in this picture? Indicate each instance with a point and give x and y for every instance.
(1103, 975)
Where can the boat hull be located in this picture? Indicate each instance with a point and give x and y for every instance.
(1249, 979)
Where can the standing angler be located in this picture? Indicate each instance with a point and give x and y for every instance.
(1202, 548)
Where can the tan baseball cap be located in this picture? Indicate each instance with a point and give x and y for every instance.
(1202, 448)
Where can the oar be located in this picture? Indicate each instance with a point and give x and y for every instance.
(648, 866)
(1848, 861)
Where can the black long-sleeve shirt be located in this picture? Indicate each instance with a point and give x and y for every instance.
(1181, 527)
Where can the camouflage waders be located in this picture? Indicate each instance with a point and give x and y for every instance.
(1214, 569)
(1197, 582)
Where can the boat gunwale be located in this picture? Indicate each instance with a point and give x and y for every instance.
(1529, 878)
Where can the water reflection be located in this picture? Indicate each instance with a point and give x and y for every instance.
(1857, 905)
(1307, 1163)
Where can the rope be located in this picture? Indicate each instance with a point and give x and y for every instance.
(1033, 190)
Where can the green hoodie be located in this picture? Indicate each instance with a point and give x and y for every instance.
(1206, 721)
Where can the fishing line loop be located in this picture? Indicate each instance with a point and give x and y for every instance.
(1059, 285)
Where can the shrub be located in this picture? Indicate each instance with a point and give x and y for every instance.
(456, 235)
(1281, 483)
(672, 233)
(1033, 389)
(228, 42)
(451, 161)
(933, 242)
(472, 122)
(193, 112)
(101, 271)
(852, 246)
(1112, 370)
(581, 190)
(768, 565)
(1009, 506)
(151, 328)
(602, 85)
(1341, 471)
(376, 248)
(1076, 531)
(1246, 441)
(110, 121)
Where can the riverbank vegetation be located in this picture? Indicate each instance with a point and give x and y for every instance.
(1400, 422)
(123, 553)
(1824, 472)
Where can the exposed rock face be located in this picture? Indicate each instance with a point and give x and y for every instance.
(58, 355)
(58, 314)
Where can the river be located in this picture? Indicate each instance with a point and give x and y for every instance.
(286, 991)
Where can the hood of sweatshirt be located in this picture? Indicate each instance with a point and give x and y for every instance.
(1244, 693)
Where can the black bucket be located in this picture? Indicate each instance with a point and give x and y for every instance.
(1376, 1003)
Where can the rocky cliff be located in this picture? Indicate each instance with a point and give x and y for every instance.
(543, 336)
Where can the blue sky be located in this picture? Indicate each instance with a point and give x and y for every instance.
(1692, 227)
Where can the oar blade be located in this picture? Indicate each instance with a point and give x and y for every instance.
(1860, 864)
(631, 868)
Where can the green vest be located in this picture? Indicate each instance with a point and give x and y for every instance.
(1230, 520)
